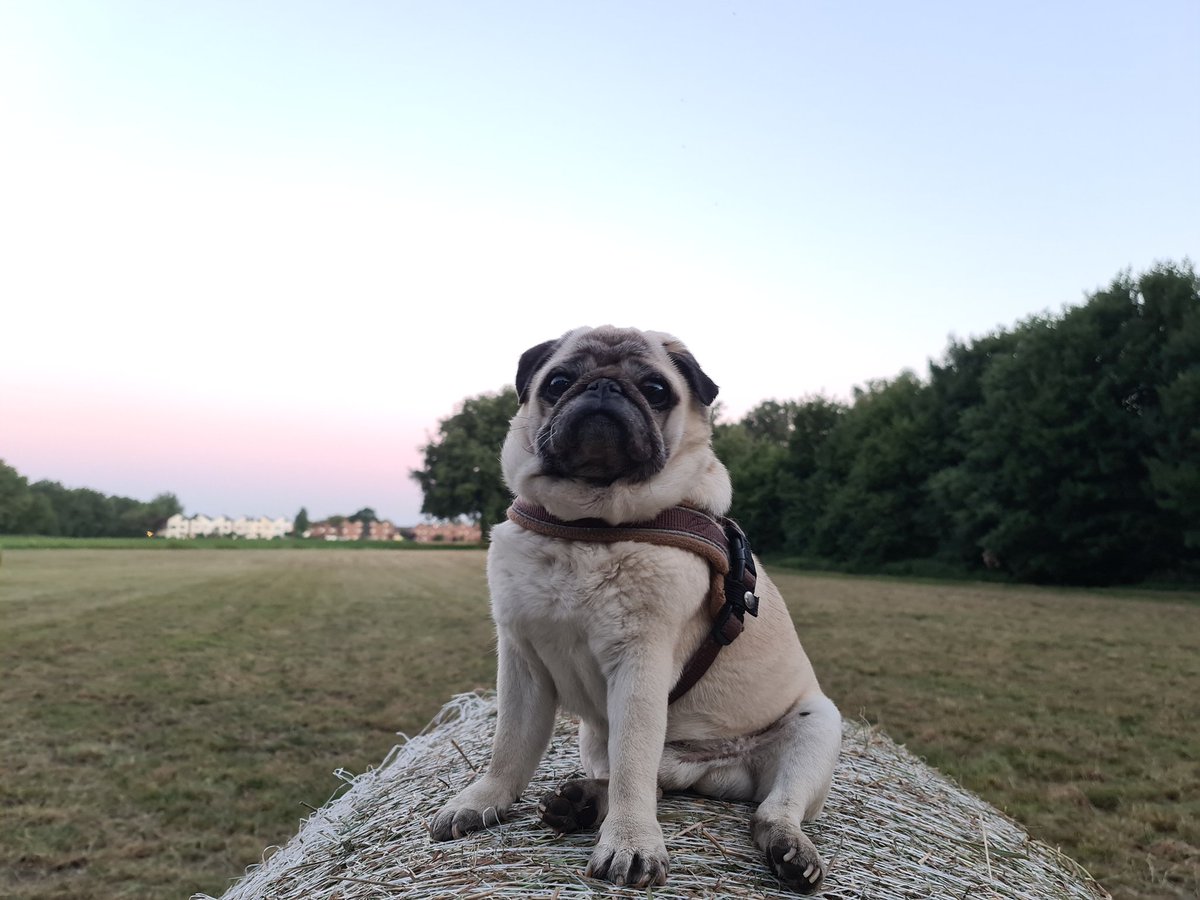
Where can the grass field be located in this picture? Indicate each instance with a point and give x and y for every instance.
(166, 716)
(44, 542)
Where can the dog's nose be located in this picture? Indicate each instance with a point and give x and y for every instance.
(605, 387)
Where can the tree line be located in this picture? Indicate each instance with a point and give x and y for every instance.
(1065, 449)
(46, 507)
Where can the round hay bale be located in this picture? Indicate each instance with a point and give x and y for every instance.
(893, 828)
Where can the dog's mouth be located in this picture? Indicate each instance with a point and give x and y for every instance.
(602, 434)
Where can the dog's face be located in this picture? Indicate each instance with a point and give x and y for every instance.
(604, 401)
(608, 413)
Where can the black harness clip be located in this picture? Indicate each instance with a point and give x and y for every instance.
(739, 583)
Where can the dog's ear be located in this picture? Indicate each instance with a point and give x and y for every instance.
(532, 360)
(702, 386)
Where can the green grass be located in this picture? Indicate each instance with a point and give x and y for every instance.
(164, 717)
(43, 542)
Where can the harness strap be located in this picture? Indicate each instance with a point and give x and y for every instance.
(718, 539)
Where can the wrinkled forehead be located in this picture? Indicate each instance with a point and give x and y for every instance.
(602, 347)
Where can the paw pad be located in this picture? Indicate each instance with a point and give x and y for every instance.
(569, 808)
(796, 864)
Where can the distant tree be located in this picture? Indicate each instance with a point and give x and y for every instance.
(14, 500)
(126, 517)
(366, 516)
(875, 463)
(755, 452)
(771, 422)
(40, 517)
(1171, 297)
(301, 523)
(956, 386)
(1080, 456)
(47, 507)
(808, 459)
(1066, 449)
(461, 473)
(158, 510)
(81, 512)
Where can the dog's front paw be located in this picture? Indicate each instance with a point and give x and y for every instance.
(455, 821)
(637, 863)
(481, 805)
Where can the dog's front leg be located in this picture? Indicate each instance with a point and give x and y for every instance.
(630, 849)
(525, 705)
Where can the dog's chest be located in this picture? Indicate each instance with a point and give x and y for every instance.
(579, 607)
(539, 584)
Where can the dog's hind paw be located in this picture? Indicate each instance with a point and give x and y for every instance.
(791, 856)
(575, 805)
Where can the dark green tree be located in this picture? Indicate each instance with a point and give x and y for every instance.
(767, 454)
(756, 467)
(157, 511)
(39, 517)
(461, 472)
(126, 517)
(1077, 453)
(301, 523)
(808, 464)
(1170, 300)
(771, 422)
(1175, 465)
(80, 512)
(47, 507)
(15, 500)
(956, 387)
(366, 516)
(875, 464)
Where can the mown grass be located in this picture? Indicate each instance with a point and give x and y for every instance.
(164, 717)
(45, 542)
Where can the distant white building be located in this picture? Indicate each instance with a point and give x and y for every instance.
(262, 528)
(176, 527)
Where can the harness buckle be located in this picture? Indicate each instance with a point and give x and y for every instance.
(741, 564)
(739, 599)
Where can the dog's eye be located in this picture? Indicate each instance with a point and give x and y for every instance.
(657, 394)
(556, 386)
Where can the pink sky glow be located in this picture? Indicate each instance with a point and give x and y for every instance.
(143, 445)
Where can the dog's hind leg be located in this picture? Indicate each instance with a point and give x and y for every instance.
(797, 784)
(581, 803)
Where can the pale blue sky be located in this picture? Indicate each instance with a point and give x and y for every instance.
(198, 202)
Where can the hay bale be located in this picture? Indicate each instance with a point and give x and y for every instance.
(893, 826)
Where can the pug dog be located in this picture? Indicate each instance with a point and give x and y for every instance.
(615, 425)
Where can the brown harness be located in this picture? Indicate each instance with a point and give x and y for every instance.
(718, 539)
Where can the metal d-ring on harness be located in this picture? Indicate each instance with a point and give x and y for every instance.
(719, 539)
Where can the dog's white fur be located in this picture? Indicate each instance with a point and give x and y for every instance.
(603, 630)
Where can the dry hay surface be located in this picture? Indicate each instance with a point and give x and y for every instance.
(893, 827)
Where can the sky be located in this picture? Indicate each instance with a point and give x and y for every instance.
(252, 252)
